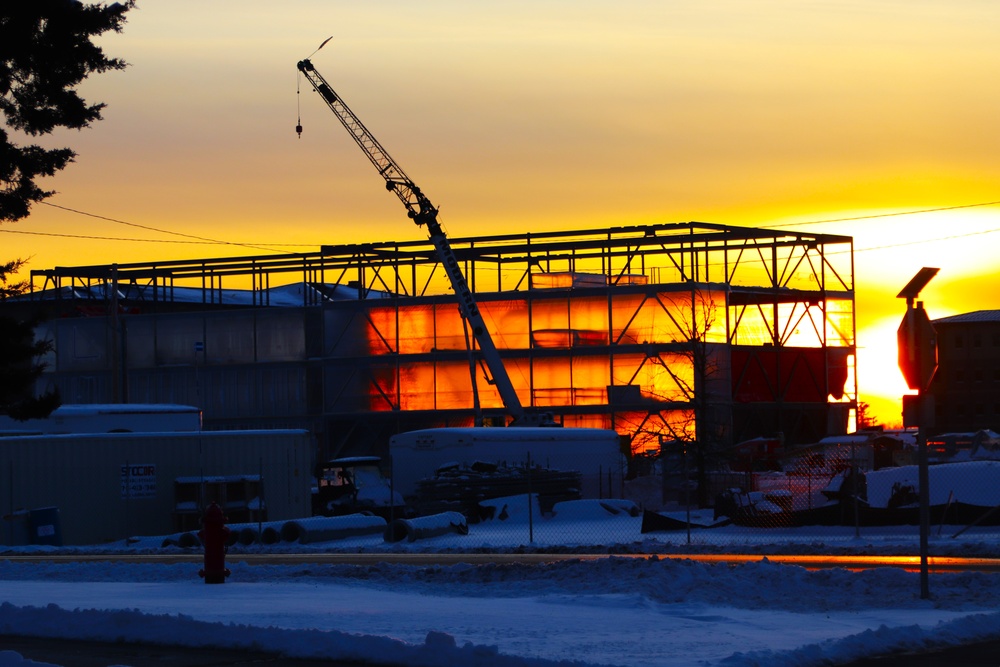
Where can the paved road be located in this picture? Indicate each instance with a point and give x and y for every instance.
(986, 654)
(936, 564)
(70, 653)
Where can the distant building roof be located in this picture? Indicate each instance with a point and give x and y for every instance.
(291, 295)
(976, 316)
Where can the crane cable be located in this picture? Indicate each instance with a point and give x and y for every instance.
(298, 86)
(298, 100)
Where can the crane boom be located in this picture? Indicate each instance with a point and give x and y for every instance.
(420, 209)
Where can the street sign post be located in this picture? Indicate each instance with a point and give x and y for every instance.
(917, 342)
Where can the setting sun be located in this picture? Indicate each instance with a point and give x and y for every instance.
(879, 373)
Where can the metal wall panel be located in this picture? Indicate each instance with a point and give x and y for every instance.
(139, 340)
(281, 335)
(344, 326)
(177, 337)
(82, 477)
(282, 391)
(229, 338)
(81, 344)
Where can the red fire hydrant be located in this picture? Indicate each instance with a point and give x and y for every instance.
(214, 534)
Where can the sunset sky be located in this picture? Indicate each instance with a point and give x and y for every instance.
(549, 115)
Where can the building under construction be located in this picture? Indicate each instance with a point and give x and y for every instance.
(687, 331)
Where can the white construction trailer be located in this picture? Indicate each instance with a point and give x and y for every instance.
(108, 418)
(595, 453)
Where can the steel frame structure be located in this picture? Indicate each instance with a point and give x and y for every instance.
(786, 296)
(789, 264)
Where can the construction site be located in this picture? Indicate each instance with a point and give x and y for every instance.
(687, 331)
(666, 333)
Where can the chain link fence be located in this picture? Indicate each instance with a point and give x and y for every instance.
(855, 491)
(835, 492)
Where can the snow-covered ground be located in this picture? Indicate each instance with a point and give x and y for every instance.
(614, 610)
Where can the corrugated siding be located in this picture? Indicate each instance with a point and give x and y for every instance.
(81, 476)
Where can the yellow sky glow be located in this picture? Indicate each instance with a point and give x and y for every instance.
(535, 116)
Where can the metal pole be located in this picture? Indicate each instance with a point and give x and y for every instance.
(687, 491)
(128, 494)
(922, 473)
(392, 491)
(116, 370)
(260, 499)
(11, 503)
(531, 523)
(809, 486)
(854, 489)
(925, 505)
(918, 377)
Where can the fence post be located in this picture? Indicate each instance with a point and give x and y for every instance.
(392, 491)
(11, 513)
(128, 496)
(687, 492)
(260, 499)
(809, 482)
(531, 520)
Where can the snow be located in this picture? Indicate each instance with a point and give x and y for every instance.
(630, 608)
(972, 482)
(644, 612)
(607, 610)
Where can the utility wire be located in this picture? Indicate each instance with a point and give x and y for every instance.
(200, 240)
(881, 215)
(132, 224)
(196, 239)
(940, 238)
(136, 240)
(103, 238)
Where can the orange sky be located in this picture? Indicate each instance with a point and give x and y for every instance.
(548, 115)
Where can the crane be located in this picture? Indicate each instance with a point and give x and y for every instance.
(420, 209)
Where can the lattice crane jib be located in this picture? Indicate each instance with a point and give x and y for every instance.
(420, 209)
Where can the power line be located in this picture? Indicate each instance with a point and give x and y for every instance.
(103, 238)
(89, 237)
(882, 215)
(940, 238)
(136, 240)
(132, 224)
(201, 239)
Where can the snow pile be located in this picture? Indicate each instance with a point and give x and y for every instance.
(14, 659)
(972, 482)
(438, 648)
(634, 611)
(587, 610)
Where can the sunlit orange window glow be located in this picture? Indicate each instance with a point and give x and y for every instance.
(432, 371)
